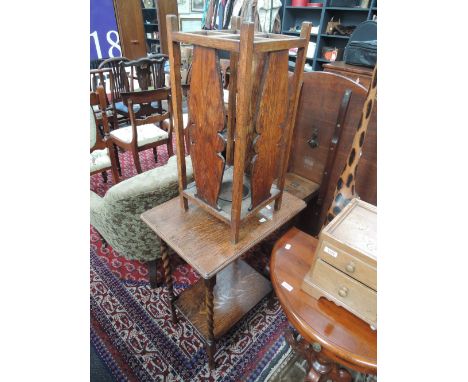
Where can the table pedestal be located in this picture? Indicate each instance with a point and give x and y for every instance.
(321, 368)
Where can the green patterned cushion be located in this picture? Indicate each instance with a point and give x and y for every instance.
(116, 216)
(99, 159)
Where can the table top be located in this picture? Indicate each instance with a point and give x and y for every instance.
(204, 241)
(344, 337)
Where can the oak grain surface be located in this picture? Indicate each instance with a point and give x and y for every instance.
(270, 125)
(206, 110)
(238, 289)
(205, 242)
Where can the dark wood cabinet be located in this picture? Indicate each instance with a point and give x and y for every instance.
(131, 29)
(164, 8)
(143, 29)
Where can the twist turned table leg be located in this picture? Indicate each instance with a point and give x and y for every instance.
(168, 278)
(209, 302)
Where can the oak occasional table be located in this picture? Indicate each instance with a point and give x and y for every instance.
(228, 287)
(329, 334)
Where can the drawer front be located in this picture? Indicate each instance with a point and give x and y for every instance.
(348, 264)
(347, 292)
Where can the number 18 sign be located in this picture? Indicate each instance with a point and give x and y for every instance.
(104, 38)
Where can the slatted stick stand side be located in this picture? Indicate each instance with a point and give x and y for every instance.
(260, 118)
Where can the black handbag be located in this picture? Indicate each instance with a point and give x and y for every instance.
(344, 3)
(361, 53)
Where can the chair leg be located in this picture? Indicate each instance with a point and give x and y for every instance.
(170, 151)
(117, 159)
(104, 176)
(152, 274)
(103, 241)
(155, 153)
(136, 160)
(114, 161)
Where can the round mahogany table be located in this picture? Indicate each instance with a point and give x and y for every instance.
(329, 334)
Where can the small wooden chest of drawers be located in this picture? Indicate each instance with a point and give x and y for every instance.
(345, 270)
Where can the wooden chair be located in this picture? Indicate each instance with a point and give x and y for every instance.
(143, 133)
(102, 154)
(119, 79)
(148, 71)
(101, 77)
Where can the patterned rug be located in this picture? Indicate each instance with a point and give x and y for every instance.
(134, 336)
(131, 328)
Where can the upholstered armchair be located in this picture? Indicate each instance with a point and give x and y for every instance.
(116, 216)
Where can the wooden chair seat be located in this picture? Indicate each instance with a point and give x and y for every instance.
(146, 134)
(99, 160)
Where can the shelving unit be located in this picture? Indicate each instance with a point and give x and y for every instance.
(320, 16)
(150, 22)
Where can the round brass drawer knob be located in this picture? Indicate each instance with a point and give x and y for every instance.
(350, 268)
(343, 291)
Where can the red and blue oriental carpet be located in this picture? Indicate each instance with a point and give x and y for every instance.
(131, 328)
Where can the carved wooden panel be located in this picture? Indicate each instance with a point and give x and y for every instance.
(269, 125)
(206, 111)
(258, 68)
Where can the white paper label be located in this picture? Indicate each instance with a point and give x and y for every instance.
(286, 286)
(330, 251)
(287, 246)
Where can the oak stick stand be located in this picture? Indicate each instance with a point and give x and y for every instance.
(260, 116)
